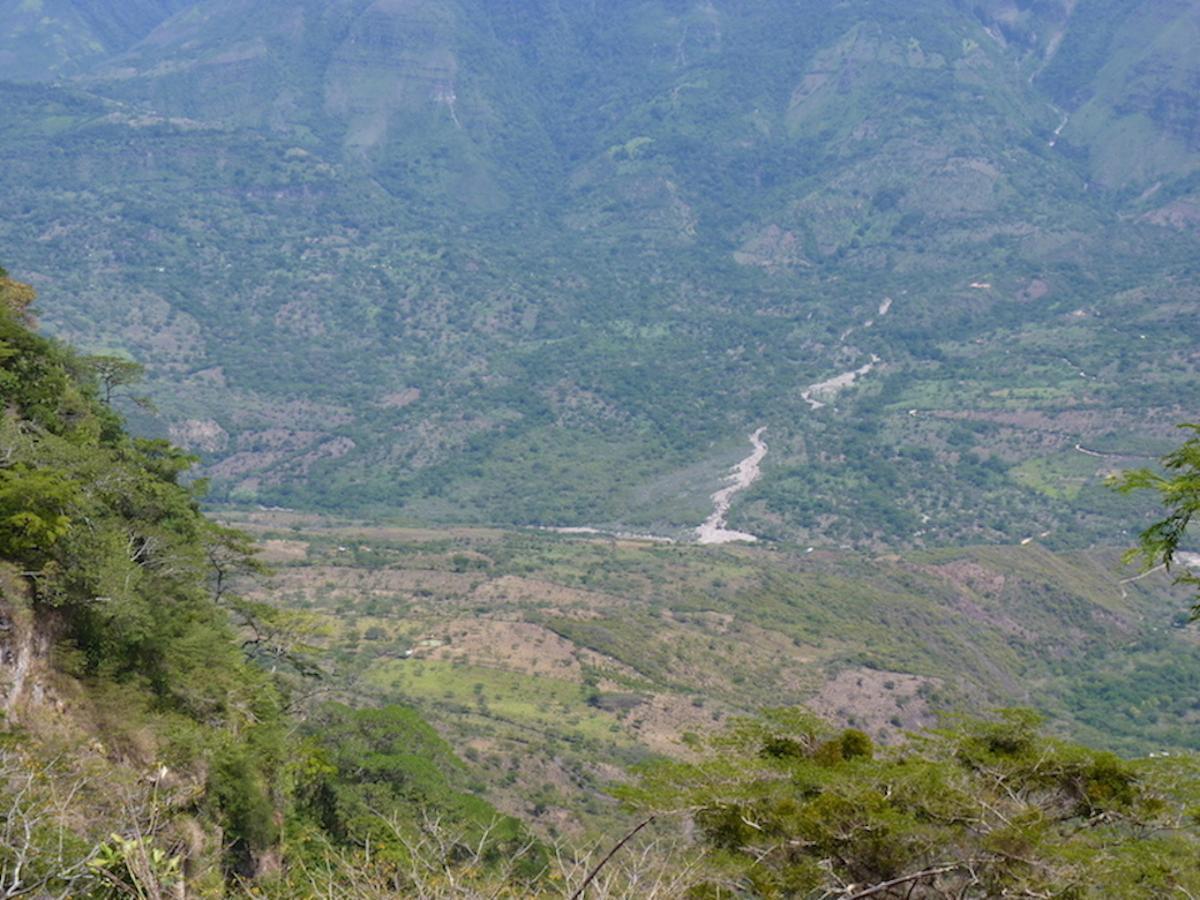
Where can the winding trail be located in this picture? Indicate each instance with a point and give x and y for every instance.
(1057, 131)
(744, 474)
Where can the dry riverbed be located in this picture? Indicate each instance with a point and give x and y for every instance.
(744, 474)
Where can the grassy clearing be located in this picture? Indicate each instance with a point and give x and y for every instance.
(549, 705)
(1061, 476)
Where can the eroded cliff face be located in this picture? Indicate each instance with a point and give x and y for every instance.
(33, 694)
(71, 774)
(23, 651)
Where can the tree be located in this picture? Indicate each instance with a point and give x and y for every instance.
(114, 372)
(1179, 491)
(783, 806)
(16, 297)
(34, 506)
(104, 547)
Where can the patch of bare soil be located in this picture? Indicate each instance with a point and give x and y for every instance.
(971, 575)
(245, 463)
(366, 582)
(883, 704)
(714, 622)
(1035, 290)
(400, 399)
(662, 719)
(976, 585)
(521, 647)
(1183, 214)
(199, 434)
(279, 551)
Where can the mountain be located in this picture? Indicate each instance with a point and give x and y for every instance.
(546, 263)
(48, 39)
(1128, 81)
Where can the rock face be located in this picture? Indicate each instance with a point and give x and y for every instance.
(23, 651)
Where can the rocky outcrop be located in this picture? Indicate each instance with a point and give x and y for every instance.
(23, 651)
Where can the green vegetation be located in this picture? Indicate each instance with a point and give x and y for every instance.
(987, 808)
(550, 659)
(560, 275)
(455, 268)
(166, 728)
(140, 746)
(104, 559)
(1179, 491)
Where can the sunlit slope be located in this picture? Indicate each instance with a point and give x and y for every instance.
(551, 658)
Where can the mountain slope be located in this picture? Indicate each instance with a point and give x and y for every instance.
(153, 738)
(47, 39)
(532, 263)
(1129, 81)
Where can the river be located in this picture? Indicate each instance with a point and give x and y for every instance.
(744, 474)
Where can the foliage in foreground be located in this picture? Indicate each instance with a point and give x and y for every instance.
(987, 808)
(145, 741)
(104, 555)
(1179, 491)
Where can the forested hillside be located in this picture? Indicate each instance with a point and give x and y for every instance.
(552, 263)
(147, 738)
